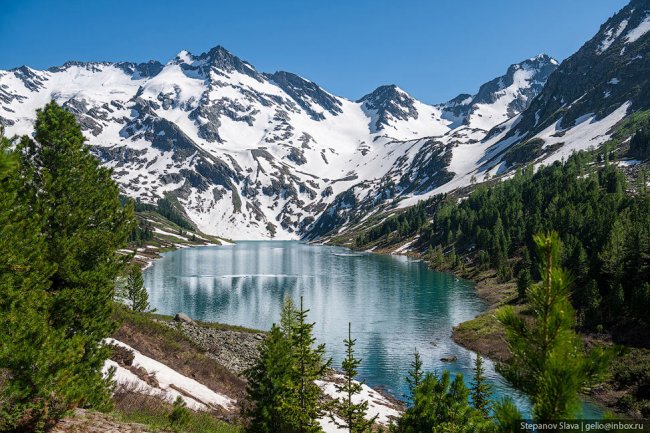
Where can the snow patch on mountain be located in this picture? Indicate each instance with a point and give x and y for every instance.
(171, 384)
(637, 32)
(610, 36)
(587, 133)
(251, 155)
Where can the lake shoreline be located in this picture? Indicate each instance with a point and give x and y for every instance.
(388, 379)
(483, 334)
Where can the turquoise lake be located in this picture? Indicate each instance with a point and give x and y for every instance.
(395, 304)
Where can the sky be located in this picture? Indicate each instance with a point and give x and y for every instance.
(433, 49)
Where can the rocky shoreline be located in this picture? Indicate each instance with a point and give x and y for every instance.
(235, 350)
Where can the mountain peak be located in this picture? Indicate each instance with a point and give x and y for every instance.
(529, 73)
(218, 58)
(542, 58)
(306, 93)
(384, 92)
(512, 91)
(602, 76)
(388, 102)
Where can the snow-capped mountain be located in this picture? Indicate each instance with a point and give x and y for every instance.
(589, 93)
(397, 114)
(503, 97)
(253, 155)
(538, 112)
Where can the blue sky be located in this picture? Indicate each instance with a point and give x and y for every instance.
(434, 49)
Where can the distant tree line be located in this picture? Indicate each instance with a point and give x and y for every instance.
(143, 231)
(605, 230)
(640, 143)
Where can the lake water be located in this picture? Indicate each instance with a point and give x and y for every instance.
(395, 304)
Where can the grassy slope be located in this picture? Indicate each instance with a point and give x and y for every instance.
(171, 347)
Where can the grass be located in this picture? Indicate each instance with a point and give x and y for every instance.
(144, 323)
(482, 326)
(156, 420)
(212, 325)
(483, 334)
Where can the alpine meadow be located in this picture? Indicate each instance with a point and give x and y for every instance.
(196, 245)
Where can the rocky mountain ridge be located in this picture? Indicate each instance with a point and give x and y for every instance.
(253, 155)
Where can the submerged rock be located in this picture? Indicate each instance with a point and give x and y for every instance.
(451, 358)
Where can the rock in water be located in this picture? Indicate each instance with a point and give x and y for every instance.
(182, 317)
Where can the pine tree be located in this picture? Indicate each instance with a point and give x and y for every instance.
(548, 359)
(441, 404)
(353, 414)
(29, 399)
(415, 374)
(270, 387)
(83, 226)
(504, 273)
(523, 282)
(480, 391)
(288, 317)
(179, 417)
(309, 365)
(135, 292)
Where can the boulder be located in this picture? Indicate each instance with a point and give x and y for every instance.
(184, 318)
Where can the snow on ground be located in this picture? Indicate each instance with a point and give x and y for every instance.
(628, 162)
(166, 233)
(171, 383)
(638, 31)
(377, 404)
(329, 426)
(586, 134)
(610, 36)
(404, 247)
(197, 396)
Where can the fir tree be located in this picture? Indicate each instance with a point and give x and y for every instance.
(441, 404)
(353, 414)
(135, 292)
(548, 359)
(288, 317)
(481, 390)
(415, 374)
(309, 365)
(83, 226)
(270, 387)
(523, 282)
(179, 417)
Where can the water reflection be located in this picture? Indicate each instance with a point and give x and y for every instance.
(395, 304)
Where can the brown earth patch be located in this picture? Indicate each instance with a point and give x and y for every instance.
(85, 421)
(173, 349)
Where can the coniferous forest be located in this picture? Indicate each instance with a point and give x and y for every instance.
(603, 220)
